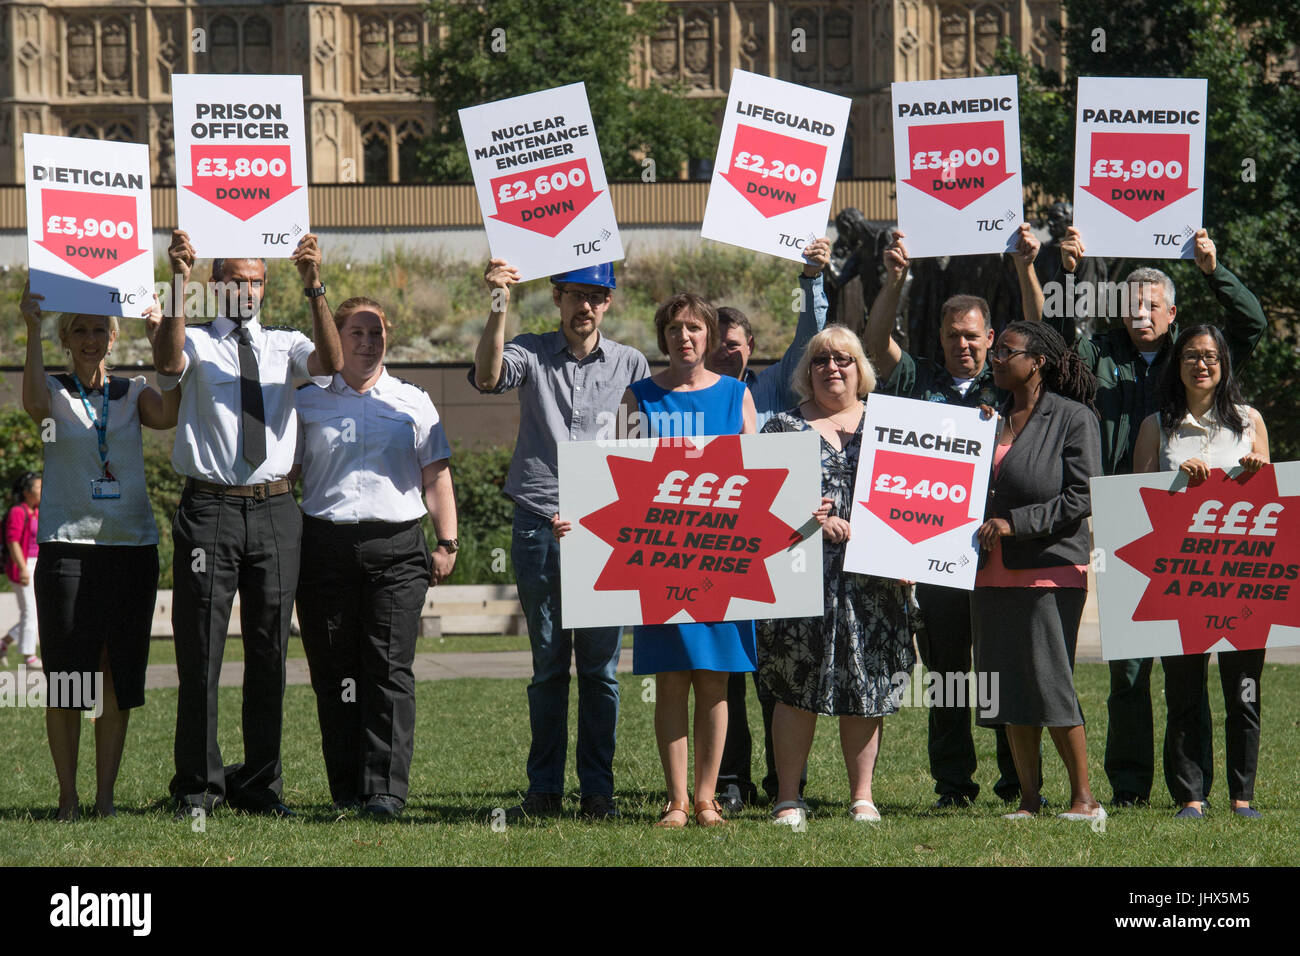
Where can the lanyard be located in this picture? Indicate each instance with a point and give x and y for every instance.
(100, 422)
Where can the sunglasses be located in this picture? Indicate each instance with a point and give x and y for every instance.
(824, 361)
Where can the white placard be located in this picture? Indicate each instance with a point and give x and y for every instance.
(670, 531)
(89, 224)
(541, 182)
(957, 162)
(778, 156)
(241, 163)
(1139, 165)
(923, 478)
(1193, 569)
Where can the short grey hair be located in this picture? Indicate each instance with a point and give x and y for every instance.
(1149, 276)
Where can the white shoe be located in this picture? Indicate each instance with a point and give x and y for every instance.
(1019, 815)
(1098, 814)
(796, 819)
(869, 813)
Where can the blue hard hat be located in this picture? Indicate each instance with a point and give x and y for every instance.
(601, 275)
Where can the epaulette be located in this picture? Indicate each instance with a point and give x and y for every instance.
(412, 384)
(305, 385)
(200, 325)
(279, 328)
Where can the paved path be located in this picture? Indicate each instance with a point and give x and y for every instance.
(519, 665)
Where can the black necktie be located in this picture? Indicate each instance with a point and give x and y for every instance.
(252, 413)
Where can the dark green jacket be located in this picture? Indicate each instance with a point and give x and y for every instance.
(931, 382)
(1126, 387)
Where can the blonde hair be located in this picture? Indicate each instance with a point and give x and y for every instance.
(358, 303)
(833, 337)
(65, 323)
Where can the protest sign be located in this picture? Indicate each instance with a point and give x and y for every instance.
(957, 160)
(1190, 569)
(680, 530)
(89, 225)
(241, 163)
(923, 477)
(541, 182)
(774, 176)
(1139, 165)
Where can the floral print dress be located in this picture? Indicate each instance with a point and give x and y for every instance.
(855, 659)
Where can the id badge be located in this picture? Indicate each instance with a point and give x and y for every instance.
(102, 488)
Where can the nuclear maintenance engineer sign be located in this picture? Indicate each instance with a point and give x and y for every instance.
(675, 531)
(923, 478)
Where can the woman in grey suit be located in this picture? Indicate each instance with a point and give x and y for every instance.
(1032, 579)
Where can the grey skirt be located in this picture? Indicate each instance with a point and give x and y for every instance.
(1024, 642)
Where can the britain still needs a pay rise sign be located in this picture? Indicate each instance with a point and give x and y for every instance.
(674, 531)
(774, 176)
(541, 182)
(1190, 569)
(241, 163)
(923, 477)
(957, 160)
(89, 225)
(1139, 165)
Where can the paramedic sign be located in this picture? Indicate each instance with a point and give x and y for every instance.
(541, 182)
(923, 477)
(774, 176)
(681, 530)
(89, 225)
(1191, 569)
(957, 159)
(1139, 166)
(241, 163)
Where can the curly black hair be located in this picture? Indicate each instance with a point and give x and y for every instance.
(1063, 372)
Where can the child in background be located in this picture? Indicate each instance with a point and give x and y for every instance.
(20, 566)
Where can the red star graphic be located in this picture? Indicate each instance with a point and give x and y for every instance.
(1212, 563)
(678, 537)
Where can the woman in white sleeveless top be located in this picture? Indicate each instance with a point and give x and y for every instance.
(1203, 424)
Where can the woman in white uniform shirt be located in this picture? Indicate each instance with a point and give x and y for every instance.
(1203, 424)
(97, 577)
(374, 458)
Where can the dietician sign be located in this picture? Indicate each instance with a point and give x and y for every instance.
(241, 163)
(89, 225)
(1139, 162)
(957, 159)
(923, 475)
(670, 531)
(541, 182)
(775, 172)
(1192, 569)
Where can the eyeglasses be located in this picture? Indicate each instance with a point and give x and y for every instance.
(593, 298)
(824, 361)
(1211, 359)
(1002, 354)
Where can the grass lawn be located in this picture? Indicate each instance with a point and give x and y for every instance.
(471, 743)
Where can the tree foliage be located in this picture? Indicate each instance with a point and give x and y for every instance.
(492, 51)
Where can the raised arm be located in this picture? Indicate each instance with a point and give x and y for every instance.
(1244, 320)
(328, 356)
(157, 410)
(1031, 292)
(884, 352)
(169, 341)
(500, 276)
(36, 395)
(440, 499)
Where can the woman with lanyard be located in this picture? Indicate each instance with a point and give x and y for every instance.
(97, 578)
(374, 458)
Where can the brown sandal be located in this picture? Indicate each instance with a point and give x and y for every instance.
(673, 806)
(709, 806)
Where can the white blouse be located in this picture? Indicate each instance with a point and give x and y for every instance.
(1206, 439)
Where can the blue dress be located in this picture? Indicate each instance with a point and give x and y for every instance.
(727, 646)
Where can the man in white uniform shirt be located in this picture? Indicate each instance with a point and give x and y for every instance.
(237, 527)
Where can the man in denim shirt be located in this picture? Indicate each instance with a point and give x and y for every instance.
(570, 381)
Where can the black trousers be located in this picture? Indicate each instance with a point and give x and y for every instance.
(945, 646)
(359, 601)
(226, 544)
(1185, 740)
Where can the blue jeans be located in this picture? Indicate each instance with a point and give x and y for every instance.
(535, 553)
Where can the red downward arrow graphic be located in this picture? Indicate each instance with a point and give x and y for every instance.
(957, 163)
(243, 179)
(905, 494)
(92, 232)
(544, 200)
(1138, 174)
(775, 173)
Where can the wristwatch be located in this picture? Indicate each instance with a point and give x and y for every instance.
(451, 544)
(315, 293)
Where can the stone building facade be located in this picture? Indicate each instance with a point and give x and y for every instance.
(102, 68)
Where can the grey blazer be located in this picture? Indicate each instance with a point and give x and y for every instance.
(1042, 486)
